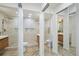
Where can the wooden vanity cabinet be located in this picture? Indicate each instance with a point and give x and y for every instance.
(60, 39)
(3, 42)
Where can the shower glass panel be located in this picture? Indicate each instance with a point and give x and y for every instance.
(47, 40)
(60, 34)
(31, 35)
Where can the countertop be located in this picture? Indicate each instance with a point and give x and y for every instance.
(60, 33)
(1, 37)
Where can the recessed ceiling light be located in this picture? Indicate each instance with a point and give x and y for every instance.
(29, 15)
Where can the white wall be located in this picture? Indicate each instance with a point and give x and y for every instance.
(13, 34)
(0, 26)
(8, 25)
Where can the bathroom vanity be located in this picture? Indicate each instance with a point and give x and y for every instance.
(3, 43)
(60, 38)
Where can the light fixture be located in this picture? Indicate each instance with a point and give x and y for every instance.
(29, 22)
(30, 15)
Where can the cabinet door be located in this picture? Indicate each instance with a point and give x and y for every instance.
(60, 39)
(3, 43)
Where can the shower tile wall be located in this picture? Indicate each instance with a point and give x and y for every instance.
(29, 34)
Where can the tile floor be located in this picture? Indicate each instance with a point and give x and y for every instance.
(34, 51)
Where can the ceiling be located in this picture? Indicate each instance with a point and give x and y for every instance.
(72, 10)
(9, 9)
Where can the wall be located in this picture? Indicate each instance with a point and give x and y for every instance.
(13, 34)
(9, 29)
(29, 34)
(1, 17)
(0, 26)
